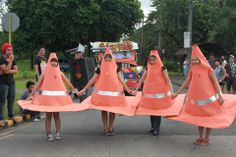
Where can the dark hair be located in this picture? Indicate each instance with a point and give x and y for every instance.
(54, 60)
(42, 47)
(29, 83)
(152, 56)
(219, 60)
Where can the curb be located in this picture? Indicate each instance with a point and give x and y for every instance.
(15, 121)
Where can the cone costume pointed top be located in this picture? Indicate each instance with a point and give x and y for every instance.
(108, 92)
(156, 98)
(202, 107)
(52, 94)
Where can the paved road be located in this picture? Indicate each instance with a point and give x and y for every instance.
(82, 137)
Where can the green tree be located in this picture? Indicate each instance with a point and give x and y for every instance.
(61, 24)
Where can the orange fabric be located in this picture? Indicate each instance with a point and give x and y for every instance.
(52, 82)
(201, 87)
(153, 84)
(108, 81)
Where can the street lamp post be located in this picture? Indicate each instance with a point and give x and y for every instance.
(190, 25)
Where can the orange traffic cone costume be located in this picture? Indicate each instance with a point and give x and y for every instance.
(52, 95)
(202, 107)
(108, 94)
(156, 98)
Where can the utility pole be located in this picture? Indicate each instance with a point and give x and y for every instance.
(190, 26)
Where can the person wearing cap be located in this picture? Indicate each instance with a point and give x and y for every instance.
(8, 69)
(78, 71)
(231, 75)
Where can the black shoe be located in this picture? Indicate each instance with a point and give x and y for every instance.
(155, 133)
(151, 131)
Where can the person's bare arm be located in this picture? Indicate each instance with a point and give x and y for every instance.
(217, 87)
(89, 84)
(68, 83)
(122, 81)
(36, 70)
(183, 86)
(167, 78)
(141, 80)
(13, 71)
(6, 68)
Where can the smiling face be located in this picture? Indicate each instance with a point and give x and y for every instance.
(195, 61)
(152, 60)
(108, 58)
(54, 62)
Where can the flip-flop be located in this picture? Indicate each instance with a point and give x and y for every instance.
(198, 141)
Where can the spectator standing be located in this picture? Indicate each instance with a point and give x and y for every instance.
(8, 69)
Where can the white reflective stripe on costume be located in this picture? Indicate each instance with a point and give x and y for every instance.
(157, 95)
(206, 101)
(52, 93)
(107, 93)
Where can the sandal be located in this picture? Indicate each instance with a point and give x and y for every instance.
(205, 142)
(111, 132)
(198, 141)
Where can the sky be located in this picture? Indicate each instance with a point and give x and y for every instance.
(146, 7)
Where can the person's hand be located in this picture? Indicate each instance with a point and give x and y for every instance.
(174, 95)
(11, 57)
(221, 100)
(80, 93)
(29, 98)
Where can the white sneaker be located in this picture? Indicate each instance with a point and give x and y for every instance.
(50, 137)
(58, 136)
(36, 120)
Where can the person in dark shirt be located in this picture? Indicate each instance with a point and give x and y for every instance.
(78, 73)
(8, 69)
(40, 62)
(39, 66)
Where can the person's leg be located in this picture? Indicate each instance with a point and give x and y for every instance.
(205, 141)
(57, 119)
(10, 100)
(3, 97)
(228, 85)
(201, 131)
(111, 121)
(152, 124)
(157, 123)
(104, 120)
(50, 137)
(48, 122)
(234, 85)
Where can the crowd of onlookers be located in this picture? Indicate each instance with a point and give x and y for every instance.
(225, 71)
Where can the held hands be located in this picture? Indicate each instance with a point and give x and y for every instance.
(174, 95)
(221, 100)
(80, 93)
(30, 97)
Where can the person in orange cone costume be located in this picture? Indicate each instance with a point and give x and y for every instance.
(203, 105)
(108, 92)
(50, 96)
(157, 90)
